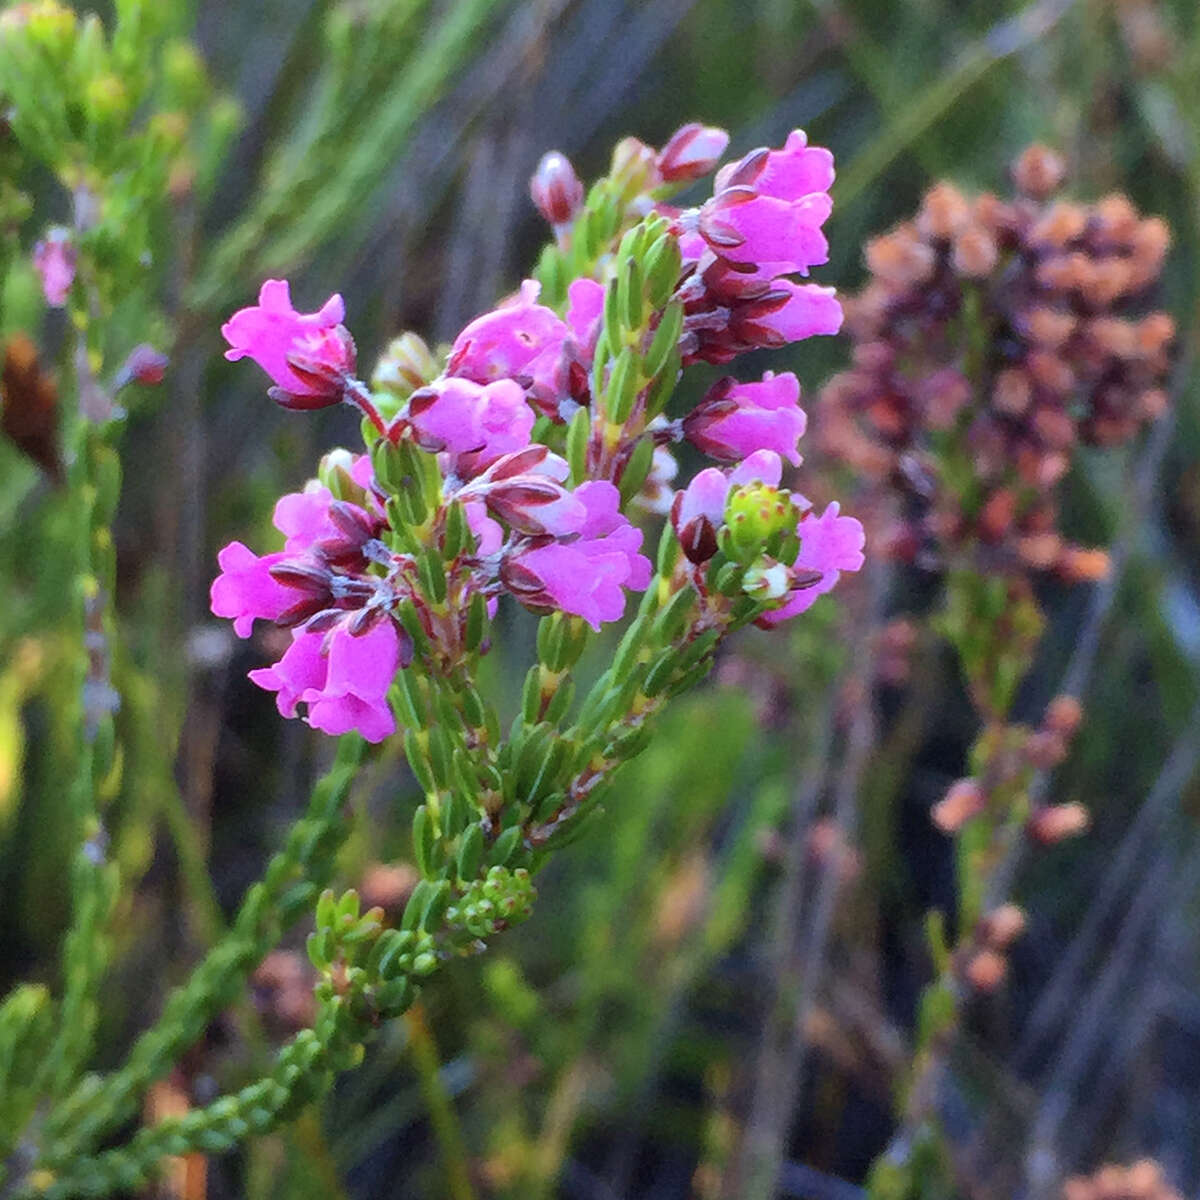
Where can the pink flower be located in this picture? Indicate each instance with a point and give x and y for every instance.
(246, 591)
(520, 340)
(767, 210)
(736, 419)
(309, 356)
(555, 189)
(692, 152)
(536, 506)
(343, 679)
(829, 544)
(585, 577)
(474, 423)
(54, 261)
(789, 312)
(585, 308)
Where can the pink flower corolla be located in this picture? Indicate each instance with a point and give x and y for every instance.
(767, 210)
(342, 678)
(586, 576)
(473, 423)
(829, 544)
(788, 312)
(309, 356)
(520, 340)
(736, 419)
(585, 311)
(54, 261)
(246, 590)
(525, 490)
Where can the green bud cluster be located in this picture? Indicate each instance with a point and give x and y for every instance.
(760, 520)
(501, 899)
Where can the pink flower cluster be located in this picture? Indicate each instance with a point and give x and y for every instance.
(356, 590)
(762, 225)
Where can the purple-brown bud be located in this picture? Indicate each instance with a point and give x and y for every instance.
(144, 365)
(693, 151)
(555, 189)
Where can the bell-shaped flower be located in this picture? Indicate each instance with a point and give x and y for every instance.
(520, 340)
(736, 419)
(309, 356)
(586, 576)
(473, 423)
(342, 678)
(767, 210)
(246, 590)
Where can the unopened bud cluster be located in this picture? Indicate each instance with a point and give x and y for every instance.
(1013, 753)
(993, 337)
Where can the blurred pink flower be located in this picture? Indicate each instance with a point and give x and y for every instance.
(54, 261)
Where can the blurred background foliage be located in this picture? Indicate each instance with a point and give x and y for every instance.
(736, 951)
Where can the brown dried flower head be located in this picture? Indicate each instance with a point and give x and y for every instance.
(1058, 289)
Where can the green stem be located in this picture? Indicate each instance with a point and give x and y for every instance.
(291, 883)
(446, 1127)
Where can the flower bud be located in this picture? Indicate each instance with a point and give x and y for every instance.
(692, 152)
(944, 211)
(754, 514)
(1003, 926)
(635, 167)
(404, 366)
(964, 800)
(1057, 822)
(1038, 172)
(555, 189)
(144, 365)
(986, 971)
(1045, 749)
(1064, 715)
